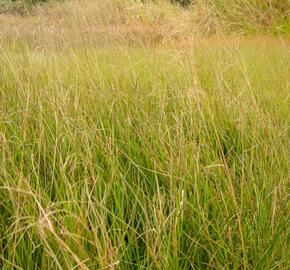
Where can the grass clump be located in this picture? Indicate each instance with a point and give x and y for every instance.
(121, 150)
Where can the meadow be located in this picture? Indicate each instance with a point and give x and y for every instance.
(143, 135)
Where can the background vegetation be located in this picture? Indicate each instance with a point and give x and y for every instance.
(271, 16)
(18, 6)
(142, 135)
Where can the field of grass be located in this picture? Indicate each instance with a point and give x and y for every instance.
(133, 138)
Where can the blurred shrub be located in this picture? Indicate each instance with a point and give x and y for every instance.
(183, 3)
(18, 6)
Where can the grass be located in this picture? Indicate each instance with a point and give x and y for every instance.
(136, 142)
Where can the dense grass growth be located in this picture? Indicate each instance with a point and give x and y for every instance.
(141, 149)
(251, 16)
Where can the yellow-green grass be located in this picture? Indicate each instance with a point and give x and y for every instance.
(119, 152)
